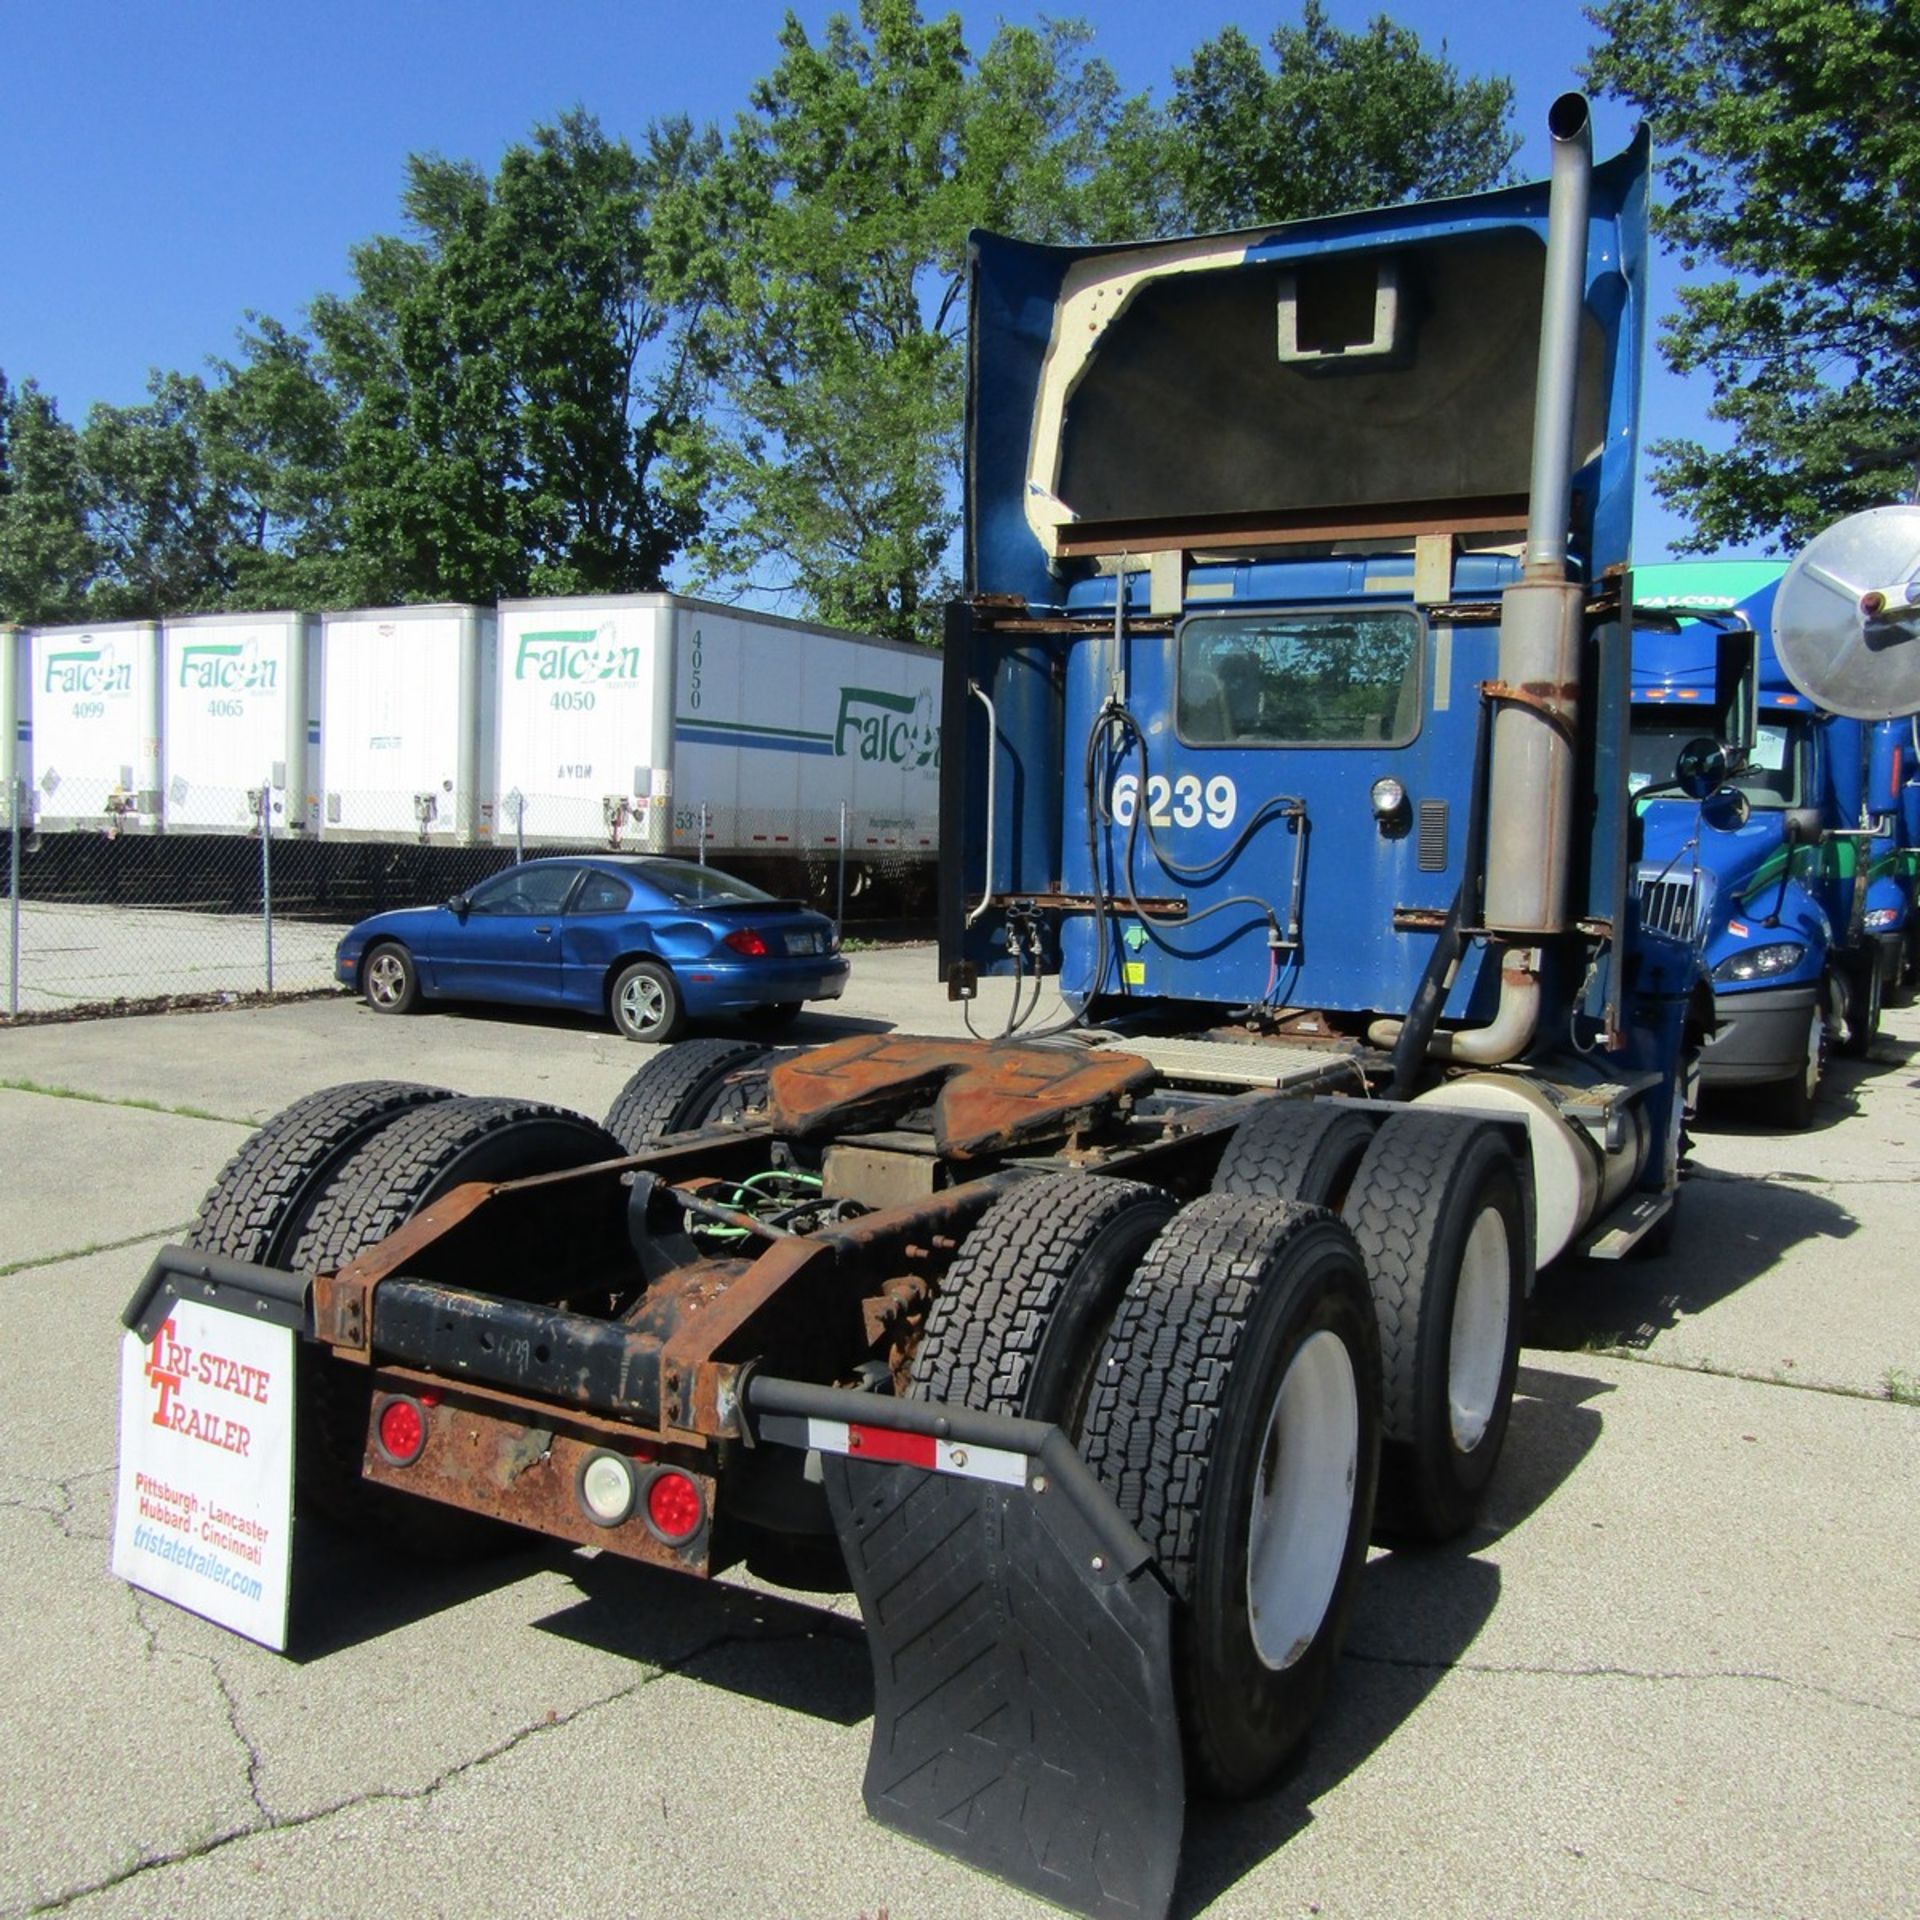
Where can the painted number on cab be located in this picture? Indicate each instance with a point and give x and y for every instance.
(1178, 802)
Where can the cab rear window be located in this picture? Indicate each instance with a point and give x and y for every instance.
(1317, 678)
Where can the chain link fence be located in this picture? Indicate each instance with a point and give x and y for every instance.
(111, 906)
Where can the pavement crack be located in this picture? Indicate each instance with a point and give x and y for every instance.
(1650, 1676)
(169, 1232)
(270, 1822)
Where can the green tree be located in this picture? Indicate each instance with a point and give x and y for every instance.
(502, 416)
(824, 258)
(47, 553)
(1793, 165)
(271, 442)
(1336, 120)
(159, 518)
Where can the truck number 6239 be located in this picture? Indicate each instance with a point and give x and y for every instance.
(1179, 802)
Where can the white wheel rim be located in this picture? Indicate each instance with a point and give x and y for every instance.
(1303, 1492)
(643, 1002)
(1477, 1351)
(386, 978)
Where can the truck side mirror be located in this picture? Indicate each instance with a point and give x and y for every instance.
(1803, 827)
(1701, 768)
(1727, 810)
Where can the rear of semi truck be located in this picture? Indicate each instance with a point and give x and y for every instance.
(1285, 735)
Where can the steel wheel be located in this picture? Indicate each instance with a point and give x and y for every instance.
(1298, 1524)
(1477, 1348)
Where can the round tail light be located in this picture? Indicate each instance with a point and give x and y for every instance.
(675, 1509)
(401, 1431)
(607, 1488)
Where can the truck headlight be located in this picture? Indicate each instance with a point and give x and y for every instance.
(1762, 963)
(1879, 919)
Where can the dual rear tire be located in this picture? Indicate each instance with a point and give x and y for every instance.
(1218, 1368)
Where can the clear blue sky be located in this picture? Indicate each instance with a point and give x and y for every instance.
(171, 166)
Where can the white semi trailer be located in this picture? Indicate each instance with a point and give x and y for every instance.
(653, 720)
(407, 724)
(94, 706)
(240, 707)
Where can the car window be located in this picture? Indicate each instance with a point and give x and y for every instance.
(602, 893)
(524, 890)
(688, 885)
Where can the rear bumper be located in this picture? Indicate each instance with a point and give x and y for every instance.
(1760, 1037)
(713, 987)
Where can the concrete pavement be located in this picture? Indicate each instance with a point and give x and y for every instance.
(1676, 1671)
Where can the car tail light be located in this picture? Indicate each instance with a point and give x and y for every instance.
(752, 944)
(401, 1432)
(675, 1508)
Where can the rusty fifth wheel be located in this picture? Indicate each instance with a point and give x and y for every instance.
(1234, 1416)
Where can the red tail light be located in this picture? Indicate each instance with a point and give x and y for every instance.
(401, 1432)
(746, 941)
(674, 1506)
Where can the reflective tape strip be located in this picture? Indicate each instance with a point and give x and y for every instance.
(908, 1449)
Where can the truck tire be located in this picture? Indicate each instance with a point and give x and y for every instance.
(672, 1092)
(744, 1091)
(1235, 1418)
(1024, 1307)
(1793, 1098)
(261, 1200)
(1864, 995)
(1438, 1213)
(396, 1172)
(1296, 1150)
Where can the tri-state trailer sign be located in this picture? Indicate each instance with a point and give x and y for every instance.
(205, 1510)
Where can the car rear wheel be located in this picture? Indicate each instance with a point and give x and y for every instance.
(645, 1003)
(389, 979)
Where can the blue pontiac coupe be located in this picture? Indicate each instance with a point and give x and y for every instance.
(649, 942)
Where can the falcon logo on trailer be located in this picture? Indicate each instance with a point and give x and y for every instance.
(227, 667)
(889, 729)
(92, 671)
(570, 658)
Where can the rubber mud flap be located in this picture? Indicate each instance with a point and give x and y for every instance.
(1024, 1718)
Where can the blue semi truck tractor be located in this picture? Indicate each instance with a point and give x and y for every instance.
(1800, 870)
(1286, 742)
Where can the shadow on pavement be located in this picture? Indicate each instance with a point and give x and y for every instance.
(1745, 1110)
(347, 1589)
(1730, 1230)
(764, 1646)
(1418, 1611)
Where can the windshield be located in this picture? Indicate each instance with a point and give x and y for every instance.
(688, 885)
(1773, 777)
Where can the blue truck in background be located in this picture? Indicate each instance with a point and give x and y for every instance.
(1801, 873)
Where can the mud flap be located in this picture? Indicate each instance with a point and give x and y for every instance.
(1024, 1718)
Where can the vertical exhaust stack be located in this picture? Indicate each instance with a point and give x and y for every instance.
(1530, 813)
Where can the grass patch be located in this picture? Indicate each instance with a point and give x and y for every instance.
(1902, 1386)
(115, 1100)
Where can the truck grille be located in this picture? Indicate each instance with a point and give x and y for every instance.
(1667, 904)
